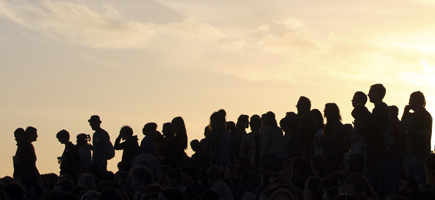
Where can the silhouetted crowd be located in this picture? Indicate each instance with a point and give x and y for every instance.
(378, 156)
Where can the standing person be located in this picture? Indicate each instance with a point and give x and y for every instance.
(318, 149)
(147, 143)
(306, 128)
(84, 149)
(373, 130)
(129, 145)
(217, 149)
(70, 159)
(237, 137)
(271, 141)
(26, 155)
(173, 153)
(396, 160)
(102, 147)
(418, 130)
(19, 158)
(334, 137)
(249, 148)
(360, 113)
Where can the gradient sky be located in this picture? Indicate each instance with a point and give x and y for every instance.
(135, 61)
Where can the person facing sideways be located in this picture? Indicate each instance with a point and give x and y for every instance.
(237, 136)
(306, 128)
(20, 138)
(318, 149)
(360, 113)
(129, 145)
(374, 128)
(249, 148)
(147, 143)
(84, 149)
(25, 157)
(70, 159)
(100, 143)
(418, 130)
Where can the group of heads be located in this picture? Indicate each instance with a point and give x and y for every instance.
(377, 93)
(30, 134)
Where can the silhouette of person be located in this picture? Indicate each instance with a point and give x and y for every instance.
(318, 149)
(290, 130)
(238, 134)
(129, 145)
(147, 143)
(377, 124)
(19, 158)
(100, 147)
(196, 148)
(70, 159)
(271, 140)
(397, 158)
(306, 128)
(217, 149)
(360, 114)
(249, 148)
(334, 137)
(25, 157)
(84, 149)
(173, 154)
(418, 131)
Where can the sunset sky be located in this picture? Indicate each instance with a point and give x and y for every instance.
(135, 61)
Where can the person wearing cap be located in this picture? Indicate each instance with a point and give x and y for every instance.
(100, 150)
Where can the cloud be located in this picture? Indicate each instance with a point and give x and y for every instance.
(78, 24)
(272, 46)
(290, 23)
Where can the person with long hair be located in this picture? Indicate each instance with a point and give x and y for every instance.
(173, 153)
(334, 137)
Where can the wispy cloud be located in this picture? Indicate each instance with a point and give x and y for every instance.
(78, 24)
(271, 47)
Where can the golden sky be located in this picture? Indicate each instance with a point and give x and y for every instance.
(133, 62)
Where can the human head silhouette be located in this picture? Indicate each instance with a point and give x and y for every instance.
(31, 134)
(217, 119)
(242, 122)
(255, 124)
(63, 136)
(377, 93)
(332, 112)
(359, 98)
(126, 132)
(95, 122)
(394, 111)
(83, 139)
(303, 105)
(20, 135)
(167, 130)
(150, 127)
(417, 100)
